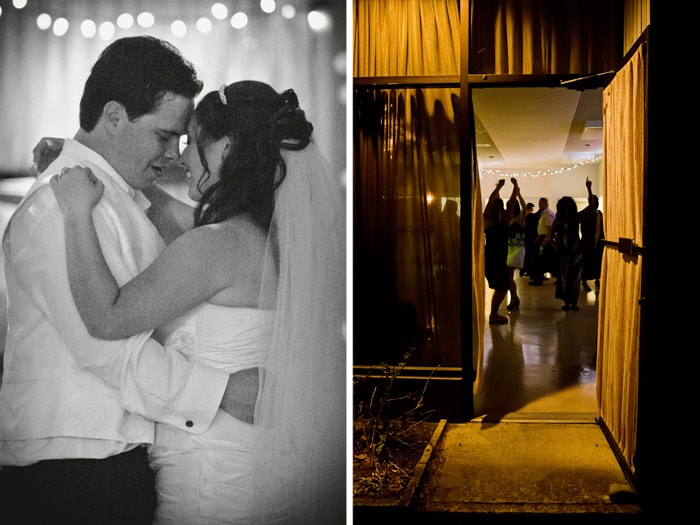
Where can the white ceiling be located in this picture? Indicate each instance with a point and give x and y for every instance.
(521, 129)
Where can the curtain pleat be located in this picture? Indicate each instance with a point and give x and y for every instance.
(407, 238)
(523, 37)
(406, 38)
(624, 103)
(636, 20)
(478, 281)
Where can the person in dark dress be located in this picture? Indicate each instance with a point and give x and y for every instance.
(566, 244)
(496, 232)
(532, 217)
(592, 236)
(516, 246)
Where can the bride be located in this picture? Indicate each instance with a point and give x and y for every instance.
(255, 280)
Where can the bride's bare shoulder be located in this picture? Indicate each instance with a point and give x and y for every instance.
(238, 238)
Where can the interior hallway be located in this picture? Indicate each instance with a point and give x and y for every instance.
(542, 363)
(534, 453)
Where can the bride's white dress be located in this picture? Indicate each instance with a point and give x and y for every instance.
(207, 478)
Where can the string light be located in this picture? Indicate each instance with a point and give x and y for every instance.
(318, 19)
(60, 26)
(288, 11)
(43, 21)
(178, 28)
(88, 28)
(539, 173)
(145, 19)
(219, 11)
(125, 21)
(106, 30)
(268, 6)
(239, 20)
(318, 14)
(203, 25)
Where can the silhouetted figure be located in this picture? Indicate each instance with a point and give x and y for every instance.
(532, 217)
(496, 219)
(447, 314)
(447, 237)
(543, 257)
(566, 244)
(516, 245)
(592, 235)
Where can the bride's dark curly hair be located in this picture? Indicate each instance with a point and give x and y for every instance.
(260, 123)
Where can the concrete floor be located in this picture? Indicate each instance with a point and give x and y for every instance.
(535, 452)
(542, 361)
(521, 469)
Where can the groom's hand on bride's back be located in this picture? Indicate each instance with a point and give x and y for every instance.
(241, 394)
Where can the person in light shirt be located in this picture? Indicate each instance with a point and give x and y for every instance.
(77, 412)
(543, 256)
(254, 281)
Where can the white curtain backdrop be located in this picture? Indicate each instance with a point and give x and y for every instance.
(43, 74)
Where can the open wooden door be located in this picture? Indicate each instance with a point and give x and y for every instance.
(621, 295)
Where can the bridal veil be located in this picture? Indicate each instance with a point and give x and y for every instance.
(300, 456)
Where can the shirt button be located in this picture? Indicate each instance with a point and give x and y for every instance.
(189, 424)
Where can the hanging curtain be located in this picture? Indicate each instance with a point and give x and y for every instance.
(43, 74)
(478, 282)
(523, 37)
(624, 172)
(407, 226)
(636, 20)
(406, 285)
(405, 37)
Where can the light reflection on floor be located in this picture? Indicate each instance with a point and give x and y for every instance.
(542, 363)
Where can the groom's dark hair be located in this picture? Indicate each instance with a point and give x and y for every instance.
(136, 72)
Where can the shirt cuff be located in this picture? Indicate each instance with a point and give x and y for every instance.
(200, 399)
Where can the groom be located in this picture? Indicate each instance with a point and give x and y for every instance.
(77, 413)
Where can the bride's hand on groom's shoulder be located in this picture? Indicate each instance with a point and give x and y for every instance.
(77, 191)
(44, 153)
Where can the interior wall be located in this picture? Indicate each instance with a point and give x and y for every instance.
(553, 187)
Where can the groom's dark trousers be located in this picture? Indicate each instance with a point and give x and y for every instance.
(115, 490)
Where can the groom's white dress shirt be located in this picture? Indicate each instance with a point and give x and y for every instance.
(64, 393)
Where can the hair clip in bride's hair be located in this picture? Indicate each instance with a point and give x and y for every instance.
(290, 100)
(222, 94)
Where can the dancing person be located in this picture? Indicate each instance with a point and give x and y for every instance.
(592, 236)
(496, 219)
(566, 244)
(543, 256)
(253, 283)
(532, 217)
(77, 412)
(516, 246)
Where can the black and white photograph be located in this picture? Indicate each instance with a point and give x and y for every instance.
(174, 288)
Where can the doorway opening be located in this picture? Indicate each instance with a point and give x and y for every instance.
(541, 365)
